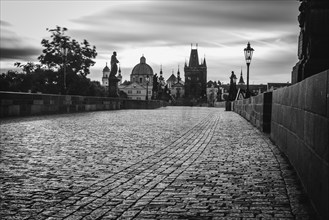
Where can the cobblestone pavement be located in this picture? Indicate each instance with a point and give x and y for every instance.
(169, 163)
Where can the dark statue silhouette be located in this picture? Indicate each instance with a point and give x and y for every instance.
(113, 80)
(114, 66)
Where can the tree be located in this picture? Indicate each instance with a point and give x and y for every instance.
(61, 54)
(62, 49)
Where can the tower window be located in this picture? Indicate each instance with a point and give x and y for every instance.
(140, 80)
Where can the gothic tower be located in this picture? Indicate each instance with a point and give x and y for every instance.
(195, 77)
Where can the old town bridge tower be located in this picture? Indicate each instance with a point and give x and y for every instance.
(195, 77)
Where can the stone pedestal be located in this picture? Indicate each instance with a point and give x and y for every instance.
(313, 44)
(113, 86)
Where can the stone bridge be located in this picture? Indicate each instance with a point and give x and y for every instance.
(167, 163)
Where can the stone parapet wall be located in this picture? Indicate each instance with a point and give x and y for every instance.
(300, 128)
(26, 104)
(257, 110)
(297, 118)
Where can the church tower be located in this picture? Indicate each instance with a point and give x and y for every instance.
(119, 76)
(241, 81)
(195, 77)
(106, 74)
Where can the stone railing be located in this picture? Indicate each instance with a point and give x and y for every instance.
(257, 110)
(26, 104)
(299, 126)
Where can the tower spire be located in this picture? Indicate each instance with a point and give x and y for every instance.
(204, 61)
(241, 81)
(178, 75)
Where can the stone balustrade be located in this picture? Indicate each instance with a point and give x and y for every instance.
(26, 104)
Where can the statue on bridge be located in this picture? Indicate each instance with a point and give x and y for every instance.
(114, 66)
(113, 80)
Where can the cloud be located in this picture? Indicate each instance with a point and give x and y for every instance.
(4, 23)
(164, 30)
(14, 46)
(19, 53)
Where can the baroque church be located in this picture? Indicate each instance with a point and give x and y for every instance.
(141, 81)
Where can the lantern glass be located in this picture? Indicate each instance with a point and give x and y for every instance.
(248, 53)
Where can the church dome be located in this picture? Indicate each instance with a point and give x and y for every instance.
(106, 69)
(142, 68)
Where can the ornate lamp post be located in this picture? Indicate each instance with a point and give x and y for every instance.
(248, 55)
(147, 86)
(64, 51)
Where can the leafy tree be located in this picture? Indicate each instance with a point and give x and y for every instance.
(60, 53)
(62, 49)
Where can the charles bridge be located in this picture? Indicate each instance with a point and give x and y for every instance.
(169, 162)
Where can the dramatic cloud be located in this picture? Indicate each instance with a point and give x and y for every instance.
(13, 46)
(164, 30)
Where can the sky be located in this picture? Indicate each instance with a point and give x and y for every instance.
(162, 31)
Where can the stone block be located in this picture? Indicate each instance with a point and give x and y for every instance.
(321, 137)
(13, 110)
(286, 122)
(317, 185)
(282, 138)
(274, 112)
(300, 115)
(293, 144)
(99, 106)
(309, 129)
(294, 93)
(328, 94)
(301, 94)
(316, 92)
(36, 109)
(106, 102)
(280, 93)
(280, 114)
(38, 102)
(302, 167)
(6, 102)
(274, 132)
(284, 97)
(25, 109)
(293, 119)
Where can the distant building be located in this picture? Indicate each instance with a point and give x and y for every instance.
(105, 78)
(212, 92)
(177, 88)
(106, 74)
(171, 80)
(135, 91)
(119, 76)
(255, 89)
(141, 71)
(138, 85)
(195, 78)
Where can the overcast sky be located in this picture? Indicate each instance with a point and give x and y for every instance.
(163, 31)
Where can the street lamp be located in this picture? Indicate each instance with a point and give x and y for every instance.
(147, 86)
(248, 55)
(64, 50)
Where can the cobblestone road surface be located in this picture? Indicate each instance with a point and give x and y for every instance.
(169, 163)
